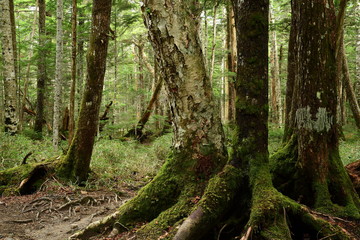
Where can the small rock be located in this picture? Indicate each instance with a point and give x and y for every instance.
(2, 204)
(74, 226)
(66, 218)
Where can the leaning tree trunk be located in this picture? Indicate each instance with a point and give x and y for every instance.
(76, 163)
(39, 120)
(309, 168)
(10, 93)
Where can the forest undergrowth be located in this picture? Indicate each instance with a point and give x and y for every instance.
(129, 162)
(119, 170)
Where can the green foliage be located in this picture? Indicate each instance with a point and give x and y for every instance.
(350, 147)
(129, 161)
(275, 138)
(14, 148)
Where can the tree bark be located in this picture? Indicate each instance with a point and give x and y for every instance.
(76, 163)
(291, 88)
(314, 173)
(80, 60)
(357, 67)
(11, 119)
(276, 102)
(354, 105)
(198, 144)
(58, 72)
(42, 77)
(231, 67)
(213, 47)
(169, 205)
(73, 71)
(27, 76)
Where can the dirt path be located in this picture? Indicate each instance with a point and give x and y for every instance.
(54, 215)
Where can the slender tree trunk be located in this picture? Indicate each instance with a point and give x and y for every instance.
(58, 72)
(42, 77)
(73, 71)
(27, 76)
(276, 102)
(9, 73)
(157, 86)
(357, 67)
(354, 104)
(213, 48)
(80, 61)
(231, 66)
(16, 58)
(205, 36)
(76, 163)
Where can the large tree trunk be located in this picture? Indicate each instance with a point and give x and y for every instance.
(58, 72)
(9, 71)
(196, 192)
(39, 120)
(198, 144)
(76, 163)
(309, 168)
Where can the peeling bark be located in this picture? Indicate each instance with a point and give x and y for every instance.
(10, 92)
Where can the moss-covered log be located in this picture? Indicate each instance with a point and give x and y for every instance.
(25, 178)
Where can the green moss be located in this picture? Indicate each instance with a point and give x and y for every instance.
(11, 178)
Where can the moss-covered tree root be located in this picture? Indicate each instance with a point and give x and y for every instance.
(190, 217)
(335, 196)
(25, 178)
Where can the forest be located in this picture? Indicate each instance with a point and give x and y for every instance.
(183, 120)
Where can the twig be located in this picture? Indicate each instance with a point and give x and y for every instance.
(61, 186)
(223, 227)
(328, 236)
(247, 235)
(21, 221)
(25, 158)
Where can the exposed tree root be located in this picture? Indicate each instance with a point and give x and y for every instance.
(273, 216)
(353, 170)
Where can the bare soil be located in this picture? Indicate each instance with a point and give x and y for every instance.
(55, 213)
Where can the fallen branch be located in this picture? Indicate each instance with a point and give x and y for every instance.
(20, 221)
(26, 157)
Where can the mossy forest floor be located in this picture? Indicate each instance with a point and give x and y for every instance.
(120, 168)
